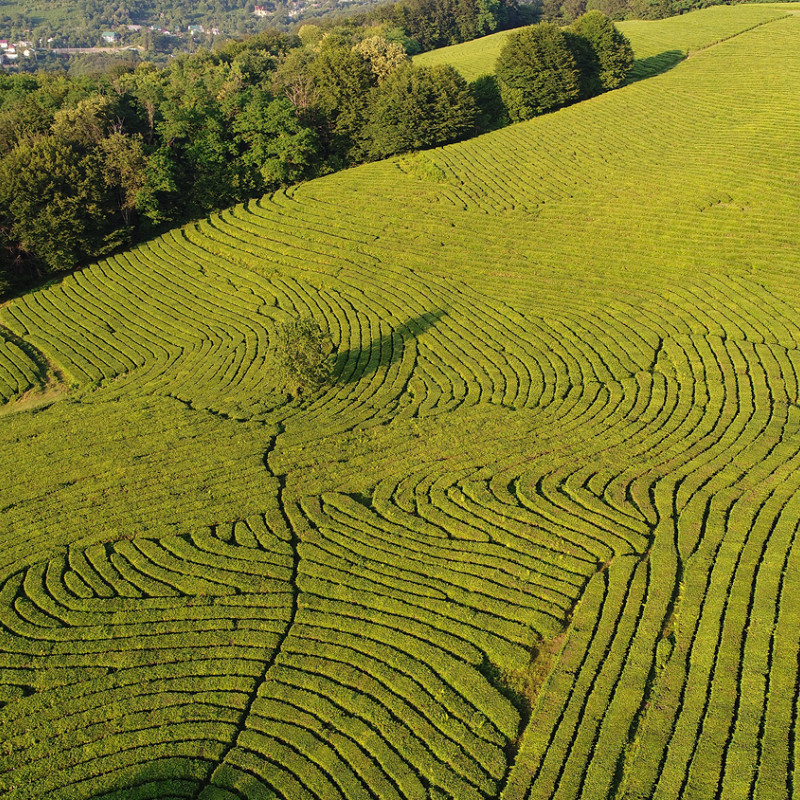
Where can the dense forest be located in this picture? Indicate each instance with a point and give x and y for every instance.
(91, 163)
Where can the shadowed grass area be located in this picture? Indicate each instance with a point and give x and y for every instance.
(359, 363)
(655, 65)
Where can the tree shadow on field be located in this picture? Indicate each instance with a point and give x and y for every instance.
(169, 778)
(181, 777)
(354, 364)
(654, 65)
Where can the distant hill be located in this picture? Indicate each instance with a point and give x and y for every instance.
(536, 538)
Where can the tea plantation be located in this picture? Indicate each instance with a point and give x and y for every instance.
(534, 539)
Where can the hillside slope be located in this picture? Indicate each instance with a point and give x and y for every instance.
(658, 45)
(535, 541)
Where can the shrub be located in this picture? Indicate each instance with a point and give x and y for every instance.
(302, 355)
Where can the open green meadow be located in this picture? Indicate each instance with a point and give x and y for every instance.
(537, 537)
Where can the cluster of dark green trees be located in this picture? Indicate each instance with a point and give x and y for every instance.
(90, 164)
(545, 67)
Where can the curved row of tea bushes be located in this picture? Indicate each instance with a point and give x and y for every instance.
(137, 659)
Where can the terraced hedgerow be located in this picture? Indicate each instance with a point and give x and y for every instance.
(535, 540)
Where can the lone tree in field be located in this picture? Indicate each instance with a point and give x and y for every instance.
(612, 54)
(302, 351)
(537, 71)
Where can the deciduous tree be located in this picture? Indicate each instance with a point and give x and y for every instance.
(275, 149)
(384, 57)
(537, 71)
(56, 199)
(419, 107)
(613, 52)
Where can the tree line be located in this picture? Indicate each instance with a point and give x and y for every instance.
(90, 164)
(424, 25)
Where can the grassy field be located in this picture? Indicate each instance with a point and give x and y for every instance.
(536, 538)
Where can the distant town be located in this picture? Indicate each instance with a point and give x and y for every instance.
(30, 42)
(10, 52)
